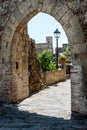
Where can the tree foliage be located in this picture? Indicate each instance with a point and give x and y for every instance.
(46, 60)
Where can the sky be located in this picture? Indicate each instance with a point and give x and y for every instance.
(43, 25)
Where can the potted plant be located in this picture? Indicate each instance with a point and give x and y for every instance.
(62, 59)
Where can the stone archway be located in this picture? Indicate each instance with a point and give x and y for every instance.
(17, 20)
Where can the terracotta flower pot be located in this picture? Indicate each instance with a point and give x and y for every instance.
(63, 61)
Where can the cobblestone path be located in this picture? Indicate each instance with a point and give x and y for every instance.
(50, 109)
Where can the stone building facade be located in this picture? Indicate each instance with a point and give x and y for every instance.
(45, 46)
(14, 15)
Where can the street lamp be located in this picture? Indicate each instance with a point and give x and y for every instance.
(57, 35)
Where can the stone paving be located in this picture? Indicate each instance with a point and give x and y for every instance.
(50, 109)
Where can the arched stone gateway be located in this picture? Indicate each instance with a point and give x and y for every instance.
(14, 16)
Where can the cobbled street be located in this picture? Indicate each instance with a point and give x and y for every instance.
(50, 109)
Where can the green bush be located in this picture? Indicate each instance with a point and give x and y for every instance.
(46, 60)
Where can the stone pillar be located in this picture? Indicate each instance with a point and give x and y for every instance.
(78, 99)
(5, 82)
(20, 80)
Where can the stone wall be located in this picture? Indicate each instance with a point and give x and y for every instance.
(53, 77)
(20, 79)
(14, 15)
(44, 46)
(35, 80)
(23, 78)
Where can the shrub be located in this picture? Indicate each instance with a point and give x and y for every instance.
(46, 61)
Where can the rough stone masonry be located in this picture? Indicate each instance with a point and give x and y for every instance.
(14, 15)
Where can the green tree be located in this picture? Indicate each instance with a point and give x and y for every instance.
(46, 60)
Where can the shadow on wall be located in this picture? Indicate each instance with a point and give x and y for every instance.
(11, 117)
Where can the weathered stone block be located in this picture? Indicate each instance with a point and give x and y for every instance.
(18, 16)
(40, 5)
(35, 4)
(79, 48)
(66, 18)
(6, 38)
(24, 7)
(47, 6)
(8, 31)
